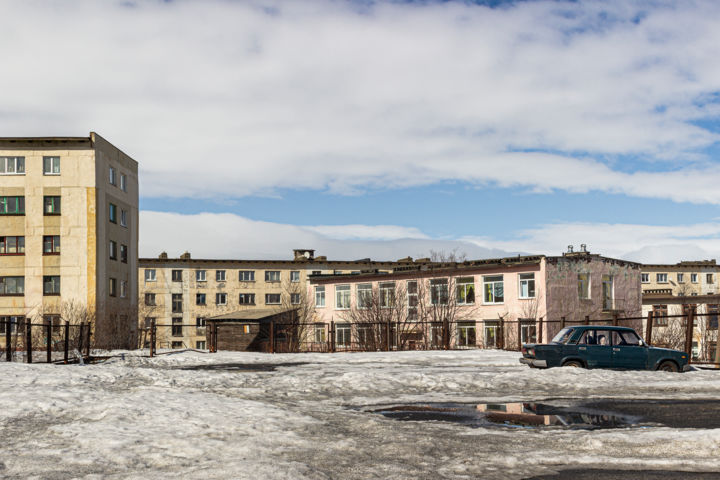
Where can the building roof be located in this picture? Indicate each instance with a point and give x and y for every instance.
(255, 314)
(684, 264)
(35, 142)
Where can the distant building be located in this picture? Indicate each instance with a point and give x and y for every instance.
(69, 233)
(689, 278)
(180, 294)
(478, 297)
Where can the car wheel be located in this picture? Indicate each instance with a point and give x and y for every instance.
(573, 363)
(668, 366)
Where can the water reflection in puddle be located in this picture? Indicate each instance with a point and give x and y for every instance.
(522, 415)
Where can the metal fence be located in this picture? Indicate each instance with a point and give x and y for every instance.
(46, 342)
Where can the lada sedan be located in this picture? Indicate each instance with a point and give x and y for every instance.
(594, 346)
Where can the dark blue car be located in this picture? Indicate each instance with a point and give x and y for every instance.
(594, 346)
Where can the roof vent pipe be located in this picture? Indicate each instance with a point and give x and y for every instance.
(570, 249)
(583, 247)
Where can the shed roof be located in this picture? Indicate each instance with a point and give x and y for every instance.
(255, 314)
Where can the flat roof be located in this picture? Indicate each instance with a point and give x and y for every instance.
(250, 314)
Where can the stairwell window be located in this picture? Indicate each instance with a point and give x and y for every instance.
(693, 278)
(51, 205)
(51, 165)
(12, 165)
(112, 212)
(177, 276)
(123, 253)
(123, 218)
(123, 288)
(150, 299)
(112, 287)
(583, 286)
(177, 303)
(123, 182)
(295, 298)
(608, 292)
(112, 176)
(113, 250)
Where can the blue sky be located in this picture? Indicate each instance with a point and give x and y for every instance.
(384, 129)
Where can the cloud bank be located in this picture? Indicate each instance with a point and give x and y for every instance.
(227, 99)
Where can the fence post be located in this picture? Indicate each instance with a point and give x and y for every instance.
(388, 346)
(66, 343)
(562, 323)
(649, 328)
(332, 336)
(502, 334)
(87, 340)
(690, 318)
(48, 339)
(519, 335)
(446, 334)
(272, 336)
(587, 319)
(80, 339)
(28, 341)
(539, 338)
(615, 319)
(8, 341)
(152, 337)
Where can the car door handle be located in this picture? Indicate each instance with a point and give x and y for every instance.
(616, 349)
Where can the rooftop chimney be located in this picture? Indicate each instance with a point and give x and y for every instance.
(163, 256)
(583, 248)
(185, 256)
(570, 249)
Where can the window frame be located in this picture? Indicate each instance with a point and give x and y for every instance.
(437, 287)
(123, 288)
(680, 277)
(320, 294)
(529, 281)
(201, 275)
(201, 299)
(221, 298)
(175, 273)
(246, 296)
(54, 246)
(176, 305)
(123, 182)
(19, 205)
(123, 253)
(19, 239)
(661, 278)
(294, 276)
(112, 213)
(154, 275)
(344, 291)
(51, 205)
(466, 285)
(123, 218)
(112, 176)
(219, 274)
(248, 273)
(150, 300)
(583, 284)
(51, 171)
(270, 274)
(295, 299)
(362, 299)
(267, 298)
(490, 296)
(17, 280)
(608, 280)
(17, 160)
(112, 250)
(112, 287)
(693, 278)
(387, 292)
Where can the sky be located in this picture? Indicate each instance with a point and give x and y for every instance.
(385, 129)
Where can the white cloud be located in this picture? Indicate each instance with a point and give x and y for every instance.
(225, 235)
(219, 98)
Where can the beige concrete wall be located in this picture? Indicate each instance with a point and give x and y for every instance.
(685, 286)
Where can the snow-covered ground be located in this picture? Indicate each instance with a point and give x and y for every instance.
(134, 417)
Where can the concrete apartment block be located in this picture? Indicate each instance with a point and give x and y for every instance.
(181, 293)
(69, 232)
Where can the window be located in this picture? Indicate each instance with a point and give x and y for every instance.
(439, 291)
(661, 278)
(364, 295)
(465, 291)
(12, 165)
(342, 296)
(112, 177)
(177, 303)
(493, 289)
(176, 345)
(412, 299)
(527, 285)
(660, 313)
(177, 328)
(112, 212)
(680, 278)
(112, 287)
(247, 299)
(317, 272)
(51, 165)
(712, 318)
(149, 321)
(693, 277)
(123, 288)
(595, 337)
(466, 334)
(200, 275)
(295, 298)
(12, 205)
(12, 286)
(320, 296)
(295, 276)
(528, 331)
(15, 245)
(583, 286)
(272, 276)
(337, 272)
(645, 277)
(219, 275)
(150, 299)
(113, 250)
(319, 333)
(11, 322)
(221, 299)
(342, 334)
(150, 275)
(200, 344)
(200, 322)
(272, 299)
(709, 278)
(387, 294)
(177, 275)
(123, 218)
(607, 292)
(51, 205)
(199, 299)
(123, 182)
(123, 253)
(247, 276)
(51, 244)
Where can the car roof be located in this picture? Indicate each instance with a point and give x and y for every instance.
(604, 327)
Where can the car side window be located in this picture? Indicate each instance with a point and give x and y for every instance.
(595, 337)
(602, 337)
(626, 338)
(588, 338)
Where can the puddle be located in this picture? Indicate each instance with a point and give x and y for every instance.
(513, 415)
(241, 367)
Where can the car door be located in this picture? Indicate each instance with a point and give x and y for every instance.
(595, 349)
(627, 352)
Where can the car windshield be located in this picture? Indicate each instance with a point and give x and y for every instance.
(563, 335)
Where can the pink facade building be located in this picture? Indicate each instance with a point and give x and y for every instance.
(481, 300)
